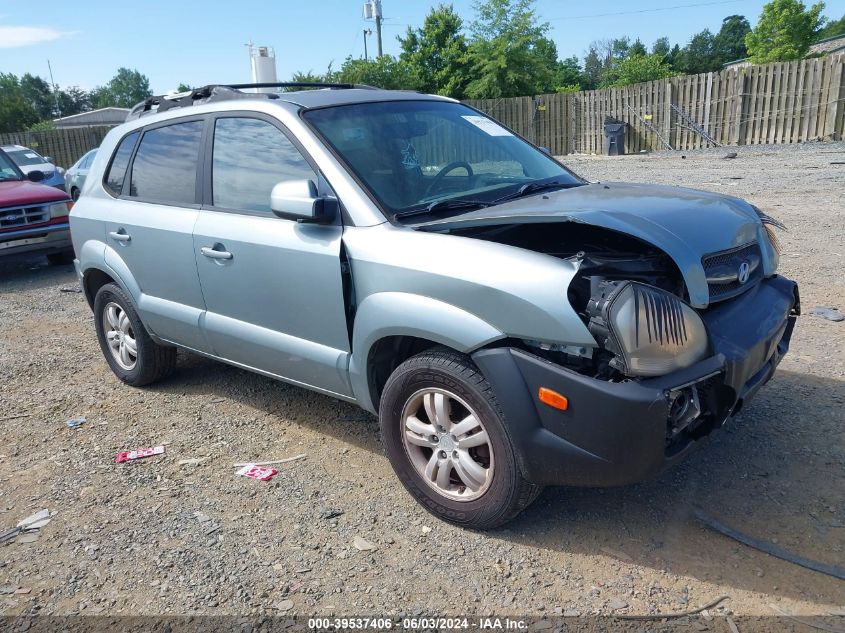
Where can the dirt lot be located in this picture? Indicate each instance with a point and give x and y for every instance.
(156, 537)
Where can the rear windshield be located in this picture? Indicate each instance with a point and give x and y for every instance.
(410, 154)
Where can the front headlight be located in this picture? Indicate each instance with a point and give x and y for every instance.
(59, 209)
(650, 331)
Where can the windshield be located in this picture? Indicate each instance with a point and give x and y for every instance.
(416, 156)
(8, 171)
(24, 157)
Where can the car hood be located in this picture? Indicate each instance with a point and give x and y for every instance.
(684, 223)
(18, 193)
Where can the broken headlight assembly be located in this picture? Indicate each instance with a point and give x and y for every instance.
(769, 225)
(649, 331)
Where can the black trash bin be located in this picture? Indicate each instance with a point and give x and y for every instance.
(614, 137)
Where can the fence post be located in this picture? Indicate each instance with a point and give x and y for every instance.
(833, 125)
(739, 111)
(667, 112)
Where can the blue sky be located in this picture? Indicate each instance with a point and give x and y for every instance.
(203, 42)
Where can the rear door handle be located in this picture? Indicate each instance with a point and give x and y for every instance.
(215, 254)
(120, 236)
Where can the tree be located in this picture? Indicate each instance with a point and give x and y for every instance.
(124, 90)
(593, 67)
(784, 32)
(16, 112)
(73, 100)
(569, 75)
(437, 53)
(636, 69)
(729, 43)
(699, 55)
(831, 29)
(638, 48)
(384, 72)
(509, 50)
(183, 87)
(39, 95)
(661, 47)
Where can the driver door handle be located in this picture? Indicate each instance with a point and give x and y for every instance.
(120, 236)
(215, 254)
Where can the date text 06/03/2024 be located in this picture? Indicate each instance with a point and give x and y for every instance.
(417, 623)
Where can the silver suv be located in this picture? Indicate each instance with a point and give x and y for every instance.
(511, 324)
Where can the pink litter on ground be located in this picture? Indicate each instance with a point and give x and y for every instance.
(139, 453)
(257, 472)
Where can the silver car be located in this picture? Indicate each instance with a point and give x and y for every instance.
(511, 324)
(28, 160)
(76, 175)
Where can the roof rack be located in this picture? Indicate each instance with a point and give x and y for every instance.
(226, 92)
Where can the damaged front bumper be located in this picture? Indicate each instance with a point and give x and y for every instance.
(615, 433)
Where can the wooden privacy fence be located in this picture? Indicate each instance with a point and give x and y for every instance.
(786, 102)
(66, 146)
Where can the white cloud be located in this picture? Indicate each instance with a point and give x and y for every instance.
(17, 36)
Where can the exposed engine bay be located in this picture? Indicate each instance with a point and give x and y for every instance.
(604, 257)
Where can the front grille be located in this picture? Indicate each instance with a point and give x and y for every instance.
(23, 216)
(722, 271)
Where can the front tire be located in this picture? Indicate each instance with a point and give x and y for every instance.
(132, 355)
(446, 438)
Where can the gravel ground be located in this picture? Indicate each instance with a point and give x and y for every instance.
(157, 537)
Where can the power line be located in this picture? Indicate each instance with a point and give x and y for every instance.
(677, 6)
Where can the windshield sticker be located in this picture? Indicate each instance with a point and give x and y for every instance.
(409, 157)
(31, 155)
(491, 127)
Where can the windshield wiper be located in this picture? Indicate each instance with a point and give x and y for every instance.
(445, 205)
(536, 187)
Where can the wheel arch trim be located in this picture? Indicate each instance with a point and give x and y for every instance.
(388, 314)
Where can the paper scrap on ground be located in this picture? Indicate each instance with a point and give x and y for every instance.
(257, 472)
(35, 521)
(75, 423)
(140, 453)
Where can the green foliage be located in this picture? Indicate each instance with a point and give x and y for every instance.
(183, 87)
(383, 72)
(73, 100)
(124, 90)
(638, 48)
(831, 29)
(38, 93)
(509, 52)
(635, 69)
(698, 56)
(437, 54)
(42, 126)
(16, 112)
(784, 32)
(729, 43)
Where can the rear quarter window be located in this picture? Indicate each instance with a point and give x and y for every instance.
(113, 182)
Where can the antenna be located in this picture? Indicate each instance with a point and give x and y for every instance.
(55, 90)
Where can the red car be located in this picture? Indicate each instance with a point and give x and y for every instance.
(33, 217)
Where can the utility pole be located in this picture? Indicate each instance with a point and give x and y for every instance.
(366, 33)
(55, 91)
(372, 11)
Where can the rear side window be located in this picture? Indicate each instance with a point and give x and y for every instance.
(250, 157)
(119, 163)
(165, 165)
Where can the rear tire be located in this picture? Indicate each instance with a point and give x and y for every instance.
(131, 353)
(447, 440)
(74, 194)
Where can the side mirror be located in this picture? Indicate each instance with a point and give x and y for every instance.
(35, 176)
(298, 200)
(48, 159)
